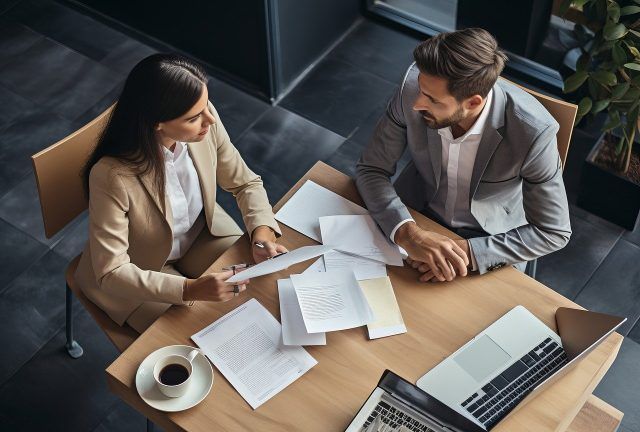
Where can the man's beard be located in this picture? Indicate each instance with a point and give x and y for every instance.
(432, 123)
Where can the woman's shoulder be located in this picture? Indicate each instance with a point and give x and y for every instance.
(109, 167)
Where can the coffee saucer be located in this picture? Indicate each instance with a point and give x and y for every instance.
(201, 381)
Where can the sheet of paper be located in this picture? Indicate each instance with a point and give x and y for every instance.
(379, 294)
(281, 262)
(317, 267)
(363, 268)
(294, 331)
(359, 235)
(246, 347)
(311, 202)
(331, 301)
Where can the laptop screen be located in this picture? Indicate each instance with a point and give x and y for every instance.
(425, 403)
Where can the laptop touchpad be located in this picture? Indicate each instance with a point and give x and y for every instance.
(482, 357)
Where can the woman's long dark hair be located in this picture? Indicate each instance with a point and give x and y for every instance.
(160, 88)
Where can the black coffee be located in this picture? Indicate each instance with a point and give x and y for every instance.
(173, 374)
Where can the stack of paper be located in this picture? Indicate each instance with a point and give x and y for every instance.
(379, 294)
(310, 203)
(246, 347)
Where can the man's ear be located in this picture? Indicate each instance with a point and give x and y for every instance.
(474, 102)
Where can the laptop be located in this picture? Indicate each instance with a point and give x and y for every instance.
(511, 361)
(397, 405)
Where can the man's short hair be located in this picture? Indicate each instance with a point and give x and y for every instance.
(468, 59)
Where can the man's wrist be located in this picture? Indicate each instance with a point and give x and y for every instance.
(404, 233)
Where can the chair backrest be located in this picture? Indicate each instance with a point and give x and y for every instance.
(58, 171)
(564, 113)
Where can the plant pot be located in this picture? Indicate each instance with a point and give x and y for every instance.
(607, 193)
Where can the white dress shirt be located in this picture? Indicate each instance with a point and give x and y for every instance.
(183, 191)
(452, 199)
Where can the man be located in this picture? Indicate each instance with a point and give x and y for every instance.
(484, 162)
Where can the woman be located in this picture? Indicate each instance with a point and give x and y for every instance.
(155, 226)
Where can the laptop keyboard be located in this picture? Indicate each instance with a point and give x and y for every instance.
(394, 418)
(503, 393)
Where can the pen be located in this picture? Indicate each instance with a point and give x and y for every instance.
(261, 246)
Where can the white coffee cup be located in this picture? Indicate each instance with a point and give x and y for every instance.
(175, 363)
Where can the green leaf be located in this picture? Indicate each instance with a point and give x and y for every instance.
(613, 11)
(605, 78)
(613, 31)
(629, 10)
(618, 55)
(633, 50)
(619, 90)
(584, 106)
(583, 62)
(574, 81)
(613, 122)
(564, 7)
(635, 32)
(634, 66)
(600, 105)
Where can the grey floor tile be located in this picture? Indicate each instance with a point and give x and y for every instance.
(98, 106)
(123, 418)
(635, 332)
(621, 383)
(237, 109)
(615, 286)
(21, 208)
(57, 393)
(32, 309)
(13, 106)
(634, 236)
(345, 157)
(378, 49)
(339, 96)
(69, 27)
(74, 240)
(285, 145)
(15, 40)
(24, 137)
(568, 270)
(126, 55)
(58, 78)
(17, 252)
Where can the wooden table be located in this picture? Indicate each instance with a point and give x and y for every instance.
(439, 317)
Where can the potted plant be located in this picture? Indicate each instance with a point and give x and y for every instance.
(608, 79)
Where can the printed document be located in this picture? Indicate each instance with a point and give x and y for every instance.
(359, 235)
(311, 202)
(293, 330)
(363, 268)
(246, 347)
(331, 301)
(316, 267)
(281, 262)
(379, 294)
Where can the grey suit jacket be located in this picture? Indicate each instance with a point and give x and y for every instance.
(517, 193)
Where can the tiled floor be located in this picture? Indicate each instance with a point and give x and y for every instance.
(59, 69)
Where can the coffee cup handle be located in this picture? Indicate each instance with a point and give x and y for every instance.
(193, 355)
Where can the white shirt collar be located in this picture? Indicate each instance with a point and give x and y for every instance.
(176, 151)
(478, 126)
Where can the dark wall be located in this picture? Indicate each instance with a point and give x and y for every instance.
(229, 35)
(306, 28)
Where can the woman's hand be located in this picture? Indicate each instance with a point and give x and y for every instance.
(263, 244)
(212, 287)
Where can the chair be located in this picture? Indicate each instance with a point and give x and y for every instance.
(565, 115)
(62, 198)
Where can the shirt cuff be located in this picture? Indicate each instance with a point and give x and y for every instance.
(393, 232)
(472, 257)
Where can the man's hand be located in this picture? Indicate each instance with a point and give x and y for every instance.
(427, 274)
(264, 236)
(444, 257)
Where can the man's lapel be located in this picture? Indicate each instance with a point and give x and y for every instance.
(491, 138)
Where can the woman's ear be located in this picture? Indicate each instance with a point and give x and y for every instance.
(158, 127)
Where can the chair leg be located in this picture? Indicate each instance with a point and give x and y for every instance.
(532, 267)
(73, 348)
(149, 426)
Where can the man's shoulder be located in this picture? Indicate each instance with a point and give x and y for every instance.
(523, 110)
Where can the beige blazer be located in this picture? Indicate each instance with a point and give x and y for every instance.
(130, 233)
